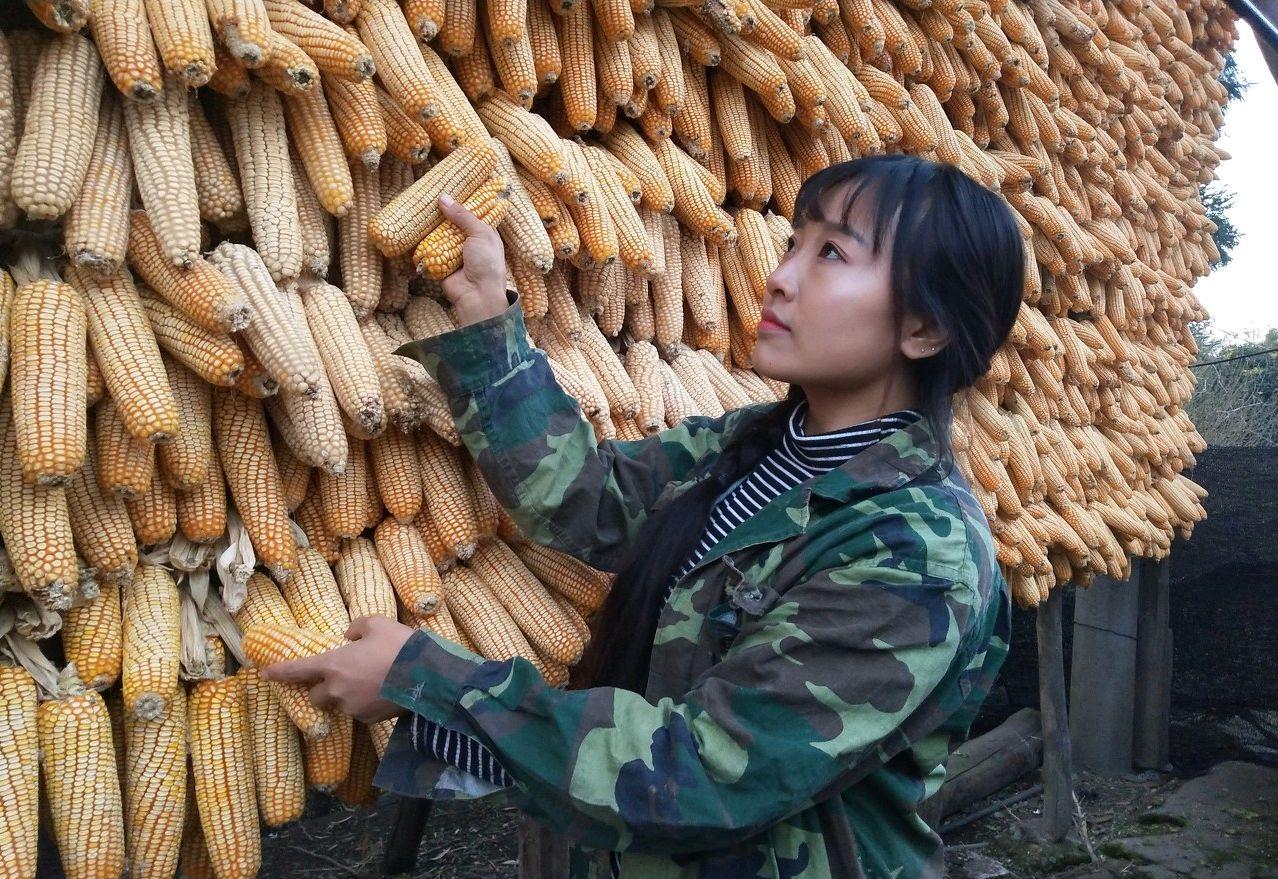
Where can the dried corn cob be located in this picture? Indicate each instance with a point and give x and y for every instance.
(278, 772)
(222, 759)
(150, 668)
(97, 225)
(214, 357)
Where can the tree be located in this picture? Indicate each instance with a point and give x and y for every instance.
(1235, 403)
(1217, 200)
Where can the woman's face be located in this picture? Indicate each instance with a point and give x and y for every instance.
(827, 317)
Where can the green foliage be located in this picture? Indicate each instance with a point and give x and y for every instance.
(1218, 199)
(1236, 403)
(1232, 79)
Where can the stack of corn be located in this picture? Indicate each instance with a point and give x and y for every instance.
(205, 431)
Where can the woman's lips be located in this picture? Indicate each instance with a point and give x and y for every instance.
(769, 322)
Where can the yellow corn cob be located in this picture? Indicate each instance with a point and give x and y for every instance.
(576, 46)
(101, 530)
(198, 290)
(630, 148)
(571, 579)
(25, 48)
(214, 357)
(632, 240)
(150, 669)
(277, 754)
(482, 618)
(193, 859)
(361, 261)
(362, 580)
(48, 380)
(183, 38)
(384, 30)
(458, 34)
(526, 600)
(397, 473)
(244, 447)
(295, 476)
(440, 253)
(358, 119)
(93, 637)
(345, 355)
(527, 136)
(414, 212)
(409, 566)
(313, 596)
(62, 119)
(315, 136)
(336, 52)
(81, 785)
(228, 78)
(185, 461)
(327, 760)
(288, 70)
(222, 759)
(261, 150)
(425, 18)
(132, 368)
(155, 789)
(268, 643)
(278, 334)
(343, 495)
(448, 494)
(97, 226)
(310, 519)
(516, 68)
(357, 789)
(693, 204)
(124, 463)
(19, 771)
(63, 16)
(544, 39)
(455, 106)
(202, 510)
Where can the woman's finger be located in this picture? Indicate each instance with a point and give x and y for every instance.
(296, 671)
(461, 216)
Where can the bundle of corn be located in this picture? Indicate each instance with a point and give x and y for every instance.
(233, 328)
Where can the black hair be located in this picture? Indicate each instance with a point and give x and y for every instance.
(956, 256)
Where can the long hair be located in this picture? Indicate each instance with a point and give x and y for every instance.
(956, 256)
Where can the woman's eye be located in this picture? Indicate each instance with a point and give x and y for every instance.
(828, 250)
(789, 244)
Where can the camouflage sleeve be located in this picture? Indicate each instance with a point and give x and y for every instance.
(540, 457)
(835, 679)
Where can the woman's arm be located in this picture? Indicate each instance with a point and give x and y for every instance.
(853, 666)
(539, 456)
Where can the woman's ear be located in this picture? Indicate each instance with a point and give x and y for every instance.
(922, 337)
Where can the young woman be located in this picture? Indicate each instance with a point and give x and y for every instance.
(807, 611)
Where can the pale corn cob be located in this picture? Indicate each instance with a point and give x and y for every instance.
(408, 564)
(393, 458)
(150, 668)
(101, 531)
(7, 291)
(632, 151)
(314, 135)
(526, 600)
(48, 380)
(315, 224)
(755, 388)
(564, 575)
(19, 771)
(160, 147)
(228, 78)
(730, 394)
(313, 427)
(25, 48)
(124, 463)
(183, 38)
(81, 785)
(345, 355)
(342, 11)
(9, 133)
(623, 399)
(288, 70)
(528, 137)
(632, 241)
(693, 204)
(362, 580)
(313, 596)
(679, 403)
(222, 759)
(278, 773)
(214, 357)
(641, 365)
(336, 52)
(266, 174)
(522, 223)
(97, 225)
(448, 495)
(63, 16)
(53, 154)
(400, 225)
(478, 614)
(360, 258)
(186, 459)
(129, 354)
(198, 290)
(155, 789)
(456, 106)
(384, 30)
(405, 406)
(358, 119)
(244, 449)
(342, 495)
(278, 334)
(202, 510)
(193, 857)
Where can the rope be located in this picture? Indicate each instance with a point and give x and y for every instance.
(1235, 357)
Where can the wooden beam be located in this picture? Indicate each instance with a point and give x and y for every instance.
(1151, 746)
(1103, 674)
(1058, 765)
(990, 762)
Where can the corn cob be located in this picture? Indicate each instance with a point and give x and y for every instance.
(362, 580)
(408, 564)
(482, 618)
(358, 118)
(100, 528)
(448, 495)
(153, 513)
(526, 600)
(81, 785)
(244, 447)
(315, 136)
(336, 52)
(342, 495)
(9, 133)
(357, 789)
(155, 789)
(19, 771)
(198, 290)
(565, 576)
(384, 30)
(345, 355)
(124, 463)
(214, 357)
(185, 461)
(396, 471)
(150, 667)
(97, 225)
(222, 759)
(440, 253)
(261, 150)
(278, 773)
(57, 142)
(314, 598)
(425, 18)
(202, 510)
(414, 212)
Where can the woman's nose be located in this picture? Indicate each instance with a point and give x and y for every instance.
(783, 281)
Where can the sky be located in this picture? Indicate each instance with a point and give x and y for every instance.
(1242, 297)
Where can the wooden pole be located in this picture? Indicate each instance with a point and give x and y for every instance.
(400, 855)
(1058, 768)
(1102, 689)
(1151, 747)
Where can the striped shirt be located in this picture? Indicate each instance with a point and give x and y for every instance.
(799, 457)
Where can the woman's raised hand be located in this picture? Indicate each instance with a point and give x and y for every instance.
(477, 290)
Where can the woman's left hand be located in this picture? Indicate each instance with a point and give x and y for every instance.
(349, 678)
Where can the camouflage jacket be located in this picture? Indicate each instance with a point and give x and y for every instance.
(809, 675)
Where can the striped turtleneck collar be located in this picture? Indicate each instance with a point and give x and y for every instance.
(821, 452)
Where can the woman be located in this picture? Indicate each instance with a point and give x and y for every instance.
(807, 596)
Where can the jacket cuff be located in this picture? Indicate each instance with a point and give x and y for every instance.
(430, 675)
(469, 358)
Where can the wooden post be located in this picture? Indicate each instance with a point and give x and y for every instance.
(1103, 674)
(1151, 748)
(542, 853)
(400, 855)
(1058, 768)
